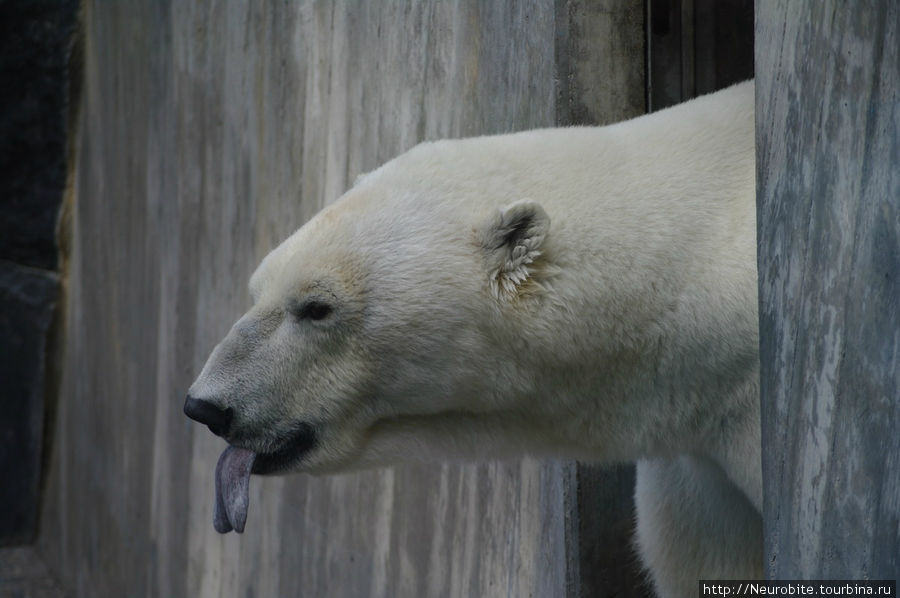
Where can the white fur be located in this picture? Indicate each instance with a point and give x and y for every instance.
(586, 293)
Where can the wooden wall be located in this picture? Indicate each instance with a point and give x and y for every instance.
(209, 132)
(828, 148)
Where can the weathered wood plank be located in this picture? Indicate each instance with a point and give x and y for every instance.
(600, 61)
(828, 116)
(210, 132)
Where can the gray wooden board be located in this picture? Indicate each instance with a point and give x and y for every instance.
(210, 131)
(600, 61)
(828, 120)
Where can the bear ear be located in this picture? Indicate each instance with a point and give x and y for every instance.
(511, 240)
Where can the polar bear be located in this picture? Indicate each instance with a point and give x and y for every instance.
(581, 293)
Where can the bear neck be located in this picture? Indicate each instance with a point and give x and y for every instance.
(667, 392)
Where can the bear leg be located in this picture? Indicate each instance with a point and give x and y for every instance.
(693, 523)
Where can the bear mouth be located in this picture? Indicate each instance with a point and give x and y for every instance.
(235, 466)
(298, 442)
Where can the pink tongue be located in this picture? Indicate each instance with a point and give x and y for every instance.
(233, 489)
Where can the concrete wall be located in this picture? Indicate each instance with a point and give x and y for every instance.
(209, 132)
(828, 116)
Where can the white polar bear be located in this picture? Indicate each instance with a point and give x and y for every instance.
(584, 293)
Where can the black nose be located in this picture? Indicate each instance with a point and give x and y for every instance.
(216, 418)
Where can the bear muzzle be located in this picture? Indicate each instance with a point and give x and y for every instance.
(237, 462)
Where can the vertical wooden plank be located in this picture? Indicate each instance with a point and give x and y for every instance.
(600, 61)
(664, 55)
(697, 47)
(600, 65)
(723, 44)
(828, 116)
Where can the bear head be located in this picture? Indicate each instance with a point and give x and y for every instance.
(379, 332)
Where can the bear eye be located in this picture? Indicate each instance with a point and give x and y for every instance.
(313, 310)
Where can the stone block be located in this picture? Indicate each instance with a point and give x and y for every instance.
(27, 298)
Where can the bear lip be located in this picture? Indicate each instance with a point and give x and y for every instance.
(300, 440)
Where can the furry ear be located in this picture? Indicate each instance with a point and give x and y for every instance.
(511, 241)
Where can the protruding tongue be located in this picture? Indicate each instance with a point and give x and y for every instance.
(233, 489)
